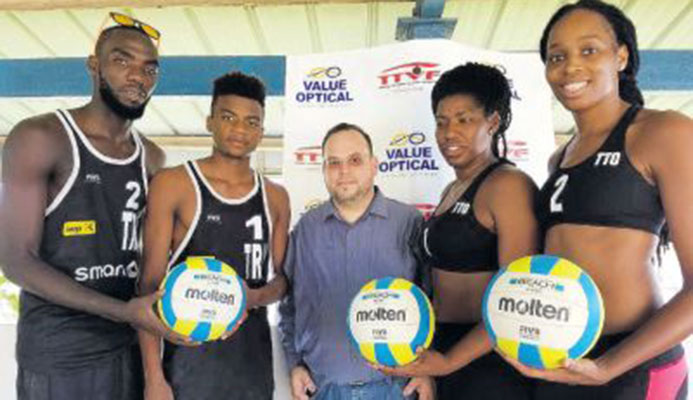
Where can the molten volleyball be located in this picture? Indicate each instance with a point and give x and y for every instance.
(389, 319)
(203, 298)
(543, 309)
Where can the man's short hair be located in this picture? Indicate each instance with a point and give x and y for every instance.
(108, 32)
(345, 126)
(239, 84)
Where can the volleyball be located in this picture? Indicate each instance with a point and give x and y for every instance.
(389, 319)
(543, 309)
(203, 298)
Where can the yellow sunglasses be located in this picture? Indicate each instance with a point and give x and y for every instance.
(126, 20)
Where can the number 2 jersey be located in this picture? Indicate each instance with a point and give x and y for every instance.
(603, 190)
(91, 234)
(237, 232)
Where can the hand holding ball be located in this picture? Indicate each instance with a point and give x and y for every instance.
(389, 319)
(203, 298)
(543, 309)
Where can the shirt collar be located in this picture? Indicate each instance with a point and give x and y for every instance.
(377, 207)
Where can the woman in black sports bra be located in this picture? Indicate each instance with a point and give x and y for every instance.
(604, 205)
(485, 219)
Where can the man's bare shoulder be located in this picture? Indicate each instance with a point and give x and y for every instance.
(45, 127)
(170, 177)
(156, 157)
(40, 141)
(277, 195)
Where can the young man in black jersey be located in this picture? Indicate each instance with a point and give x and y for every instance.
(218, 206)
(75, 185)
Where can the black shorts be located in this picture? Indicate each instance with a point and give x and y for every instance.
(119, 378)
(488, 377)
(663, 377)
(238, 368)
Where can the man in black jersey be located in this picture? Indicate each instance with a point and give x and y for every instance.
(75, 185)
(218, 206)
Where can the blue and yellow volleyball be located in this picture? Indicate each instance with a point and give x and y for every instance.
(203, 298)
(542, 310)
(389, 319)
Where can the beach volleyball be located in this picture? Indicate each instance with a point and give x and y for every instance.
(389, 319)
(543, 309)
(203, 298)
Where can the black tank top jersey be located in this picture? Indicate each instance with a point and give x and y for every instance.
(456, 241)
(603, 190)
(91, 233)
(237, 232)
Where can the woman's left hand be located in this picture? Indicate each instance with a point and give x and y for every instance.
(428, 363)
(573, 372)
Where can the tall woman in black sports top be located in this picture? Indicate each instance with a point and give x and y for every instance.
(485, 219)
(611, 187)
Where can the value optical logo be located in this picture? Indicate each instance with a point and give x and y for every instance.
(412, 75)
(324, 85)
(408, 152)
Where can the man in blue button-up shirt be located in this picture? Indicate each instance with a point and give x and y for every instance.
(357, 236)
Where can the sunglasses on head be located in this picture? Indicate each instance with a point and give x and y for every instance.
(126, 20)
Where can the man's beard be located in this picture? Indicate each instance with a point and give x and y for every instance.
(120, 109)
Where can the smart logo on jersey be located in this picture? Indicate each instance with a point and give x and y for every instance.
(324, 85)
(79, 228)
(408, 152)
(308, 155)
(413, 75)
(518, 150)
(98, 272)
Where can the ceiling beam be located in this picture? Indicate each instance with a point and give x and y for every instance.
(14, 5)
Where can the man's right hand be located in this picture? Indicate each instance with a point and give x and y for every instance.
(139, 312)
(158, 390)
(301, 383)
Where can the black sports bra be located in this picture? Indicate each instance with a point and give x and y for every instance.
(603, 190)
(456, 241)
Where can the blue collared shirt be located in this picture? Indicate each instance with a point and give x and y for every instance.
(327, 263)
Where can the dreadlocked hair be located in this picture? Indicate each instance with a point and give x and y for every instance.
(491, 90)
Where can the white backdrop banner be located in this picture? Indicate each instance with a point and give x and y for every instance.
(386, 90)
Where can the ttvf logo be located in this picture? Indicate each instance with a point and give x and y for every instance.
(418, 71)
(310, 155)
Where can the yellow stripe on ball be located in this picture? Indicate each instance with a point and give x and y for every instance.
(402, 353)
(524, 264)
(216, 330)
(400, 284)
(369, 286)
(225, 269)
(368, 352)
(552, 358)
(509, 347)
(184, 327)
(196, 262)
(566, 269)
